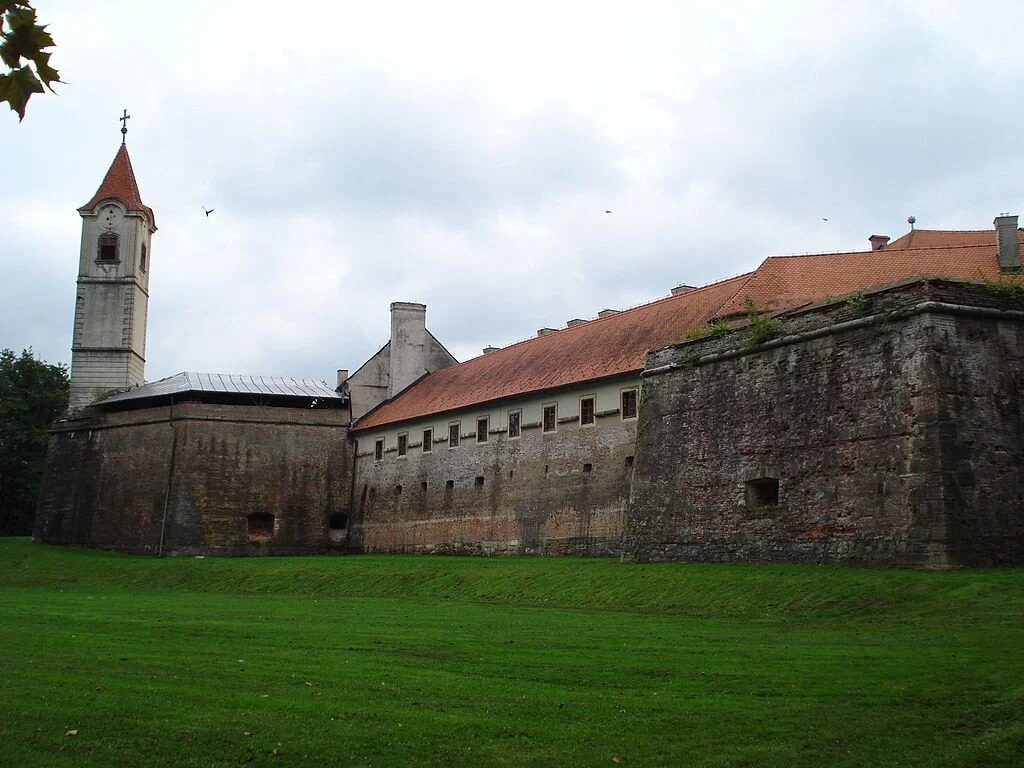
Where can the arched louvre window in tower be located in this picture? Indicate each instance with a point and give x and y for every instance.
(106, 247)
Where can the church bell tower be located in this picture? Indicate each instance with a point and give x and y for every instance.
(108, 348)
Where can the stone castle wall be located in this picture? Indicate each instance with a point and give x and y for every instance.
(187, 479)
(883, 429)
(889, 425)
(557, 493)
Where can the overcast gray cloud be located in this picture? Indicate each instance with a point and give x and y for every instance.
(463, 155)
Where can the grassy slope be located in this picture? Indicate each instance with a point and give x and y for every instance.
(416, 660)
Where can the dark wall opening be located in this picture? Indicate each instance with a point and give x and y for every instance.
(259, 526)
(762, 492)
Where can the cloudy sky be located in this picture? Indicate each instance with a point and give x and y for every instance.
(464, 154)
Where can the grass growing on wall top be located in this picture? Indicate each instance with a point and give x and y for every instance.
(504, 661)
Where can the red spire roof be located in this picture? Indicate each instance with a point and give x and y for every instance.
(120, 183)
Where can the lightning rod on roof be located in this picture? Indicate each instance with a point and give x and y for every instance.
(911, 220)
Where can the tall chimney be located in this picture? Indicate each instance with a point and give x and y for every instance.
(1008, 241)
(878, 242)
(408, 344)
(342, 376)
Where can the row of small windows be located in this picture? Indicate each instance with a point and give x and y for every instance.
(478, 481)
(760, 493)
(107, 247)
(549, 423)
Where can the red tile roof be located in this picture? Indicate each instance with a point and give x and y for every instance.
(617, 344)
(609, 346)
(937, 238)
(120, 183)
(791, 281)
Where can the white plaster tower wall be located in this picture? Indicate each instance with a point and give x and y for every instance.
(108, 349)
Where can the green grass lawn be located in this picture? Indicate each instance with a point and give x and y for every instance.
(405, 660)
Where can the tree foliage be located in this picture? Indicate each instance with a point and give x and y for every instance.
(32, 395)
(23, 44)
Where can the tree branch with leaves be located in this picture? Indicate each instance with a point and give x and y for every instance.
(23, 44)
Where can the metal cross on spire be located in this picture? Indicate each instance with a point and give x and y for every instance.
(124, 125)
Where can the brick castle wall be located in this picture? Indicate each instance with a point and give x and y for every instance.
(193, 476)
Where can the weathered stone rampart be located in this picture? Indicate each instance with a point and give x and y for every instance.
(881, 428)
(199, 478)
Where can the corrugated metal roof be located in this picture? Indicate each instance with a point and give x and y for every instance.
(180, 383)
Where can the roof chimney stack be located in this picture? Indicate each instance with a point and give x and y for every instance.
(574, 322)
(342, 376)
(408, 344)
(545, 331)
(1008, 241)
(878, 242)
(488, 349)
(607, 312)
(683, 289)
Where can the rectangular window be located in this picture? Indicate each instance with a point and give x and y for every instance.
(378, 449)
(107, 247)
(629, 403)
(550, 417)
(586, 411)
(428, 440)
(403, 444)
(482, 425)
(515, 420)
(453, 434)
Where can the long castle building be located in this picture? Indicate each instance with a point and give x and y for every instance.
(858, 408)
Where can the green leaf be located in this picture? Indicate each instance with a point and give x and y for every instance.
(19, 43)
(9, 55)
(23, 83)
(8, 93)
(45, 72)
(21, 15)
(24, 39)
(40, 37)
